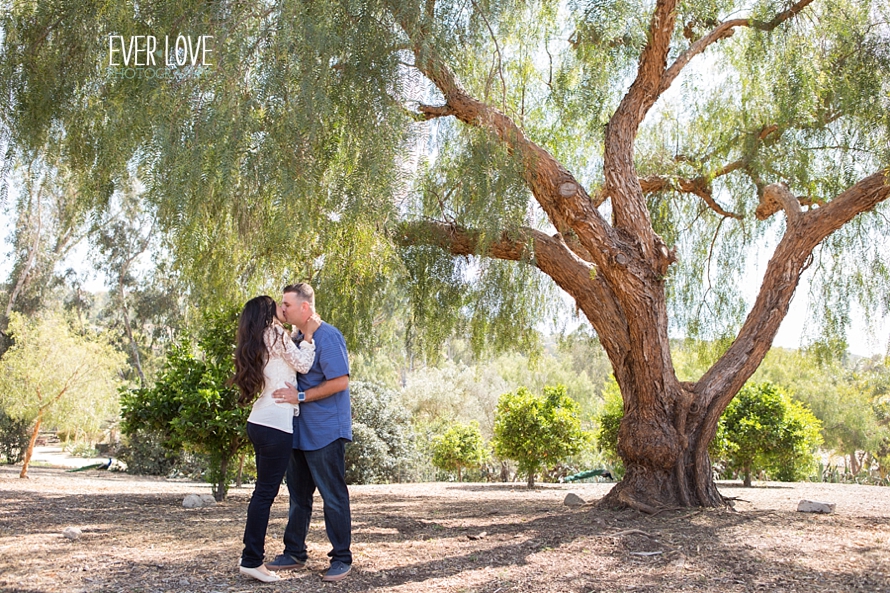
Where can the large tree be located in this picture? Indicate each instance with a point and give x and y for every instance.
(634, 153)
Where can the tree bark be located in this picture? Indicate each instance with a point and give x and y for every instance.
(239, 477)
(31, 443)
(530, 481)
(219, 493)
(24, 275)
(134, 346)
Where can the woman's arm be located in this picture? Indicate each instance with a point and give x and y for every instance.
(300, 359)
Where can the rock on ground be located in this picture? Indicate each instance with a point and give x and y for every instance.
(811, 506)
(196, 501)
(573, 500)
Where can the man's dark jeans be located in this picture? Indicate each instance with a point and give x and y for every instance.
(273, 453)
(324, 469)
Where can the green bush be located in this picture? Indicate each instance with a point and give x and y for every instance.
(609, 421)
(191, 404)
(764, 429)
(383, 441)
(85, 450)
(14, 436)
(145, 454)
(537, 431)
(460, 446)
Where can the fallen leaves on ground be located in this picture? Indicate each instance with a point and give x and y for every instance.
(492, 538)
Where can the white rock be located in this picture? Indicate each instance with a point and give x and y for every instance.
(196, 501)
(573, 500)
(192, 501)
(72, 533)
(811, 506)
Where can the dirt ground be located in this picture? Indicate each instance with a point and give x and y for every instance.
(493, 538)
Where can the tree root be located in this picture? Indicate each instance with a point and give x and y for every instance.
(627, 499)
(628, 532)
(666, 509)
(687, 515)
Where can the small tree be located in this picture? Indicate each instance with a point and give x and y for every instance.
(54, 375)
(382, 437)
(192, 405)
(537, 431)
(459, 446)
(765, 429)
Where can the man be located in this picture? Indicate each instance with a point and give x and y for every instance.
(321, 432)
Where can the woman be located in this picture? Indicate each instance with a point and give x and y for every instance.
(265, 357)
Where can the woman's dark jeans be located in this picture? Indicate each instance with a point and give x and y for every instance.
(273, 453)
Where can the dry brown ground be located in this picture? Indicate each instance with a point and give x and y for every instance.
(494, 538)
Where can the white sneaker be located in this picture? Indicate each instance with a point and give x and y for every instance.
(259, 574)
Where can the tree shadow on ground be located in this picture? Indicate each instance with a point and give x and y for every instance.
(417, 539)
(695, 555)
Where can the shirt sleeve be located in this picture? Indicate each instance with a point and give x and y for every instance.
(332, 357)
(279, 344)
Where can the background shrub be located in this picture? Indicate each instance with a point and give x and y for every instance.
(764, 429)
(458, 447)
(382, 449)
(537, 431)
(14, 435)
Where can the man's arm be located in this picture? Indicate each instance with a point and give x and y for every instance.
(322, 390)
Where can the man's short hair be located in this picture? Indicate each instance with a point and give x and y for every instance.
(303, 291)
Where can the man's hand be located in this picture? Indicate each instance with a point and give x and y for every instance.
(286, 395)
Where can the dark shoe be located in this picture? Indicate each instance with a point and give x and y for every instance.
(285, 562)
(337, 571)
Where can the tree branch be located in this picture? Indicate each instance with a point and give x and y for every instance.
(562, 198)
(775, 197)
(698, 186)
(644, 91)
(428, 112)
(701, 185)
(550, 254)
(71, 379)
(782, 276)
(628, 204)
(781, 17)
(724, 31)
(498, 50)
(629, 208)
(862, 197)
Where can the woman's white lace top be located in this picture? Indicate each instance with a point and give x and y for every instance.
(284, 361)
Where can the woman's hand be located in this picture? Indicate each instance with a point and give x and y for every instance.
(312, 324)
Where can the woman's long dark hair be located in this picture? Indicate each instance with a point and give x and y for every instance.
(250, 353)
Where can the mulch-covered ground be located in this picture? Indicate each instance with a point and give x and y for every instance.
(494, 538)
